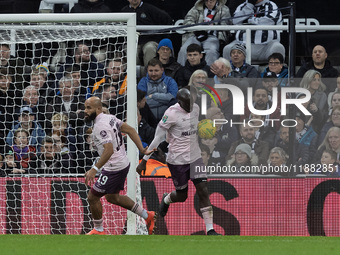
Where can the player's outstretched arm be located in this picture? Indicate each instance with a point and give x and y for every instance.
(125, 128)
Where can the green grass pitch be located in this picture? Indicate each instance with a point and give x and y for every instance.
(162, 245)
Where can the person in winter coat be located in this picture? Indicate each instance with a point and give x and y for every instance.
(160, 89)
(205, 11)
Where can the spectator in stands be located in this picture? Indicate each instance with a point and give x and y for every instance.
(242, 156)
(65, 142)
(312, 81)
(90, 6)
(270, 81)
(334, 121)
(24, 153)
(160, 89)
(145, 110)
(258, 147)
(67, 103)
(318, 118)
(301, 150)
(225, 134)
(331, 142)
(205, 154)
(198, 79)
(166, 54)
(205, 11)
(306, 134)
(8, 102)
(116, 105)
(261, 102)
(278, 158)
(27, 121)
(31, 99)
(38, 79)
(240, 69)
(332, 98)
(10, 166)
(221, 68)
(147, 14)
(73, 72)
(116, 71)
(276, 65)
(263, 132)
(215, 155)
(194, 62)
(263, 42)
(90, 154)
(321, 64)
(329, 165)
(145, 131)
(46, 160)
(91, 72)
(14, 65)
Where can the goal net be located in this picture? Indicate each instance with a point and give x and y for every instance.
(50, 64)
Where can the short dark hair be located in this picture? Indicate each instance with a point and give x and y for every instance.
(47, 139)
(276, 55)
(194, 47)
(155, 62)
(259, 87)
(140, 95)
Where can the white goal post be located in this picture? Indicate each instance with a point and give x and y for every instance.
(9, 27)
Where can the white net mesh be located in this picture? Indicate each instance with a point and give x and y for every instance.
(47, 72)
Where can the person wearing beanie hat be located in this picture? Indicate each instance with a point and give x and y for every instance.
(243, 148)
(239, 47)
(165, 53)
(205, 11)
(263, 42)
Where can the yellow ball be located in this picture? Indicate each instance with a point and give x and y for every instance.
(206, 129)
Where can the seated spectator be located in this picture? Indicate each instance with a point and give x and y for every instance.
(205, 154)
(145, 110)
(270, 81)
(261, 102)
(39, 79)
(258, 147)
(31, 99)
(47, 163)
(116, 72)
(226, 134)
(145, 131)
(263, 132)
(24, 154)
(240, 69)
(27, 121)
(205, 11)
(198, 78)
(301, 150)
(331, 142)
(278, 158)
(89, 156)
(194, 62)
(321, 64)
(165, 53)
(67, 103)
(334, 100)
(221, 68)
(242, 156)
(10, 166)
(160, 89)
(215, 154)
(334, 121)
(263, 42)
(8, 98)
(91, 72)
(147, 14)
(318, 118)
(115, 104)
(73, 72)
(13, 65)
(276, 65)
(90, 6)
(312, 81)
(329, 165)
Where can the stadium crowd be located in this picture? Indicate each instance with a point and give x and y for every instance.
(42, 125)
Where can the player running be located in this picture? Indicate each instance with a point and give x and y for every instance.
(179, 123)
(108, 141)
